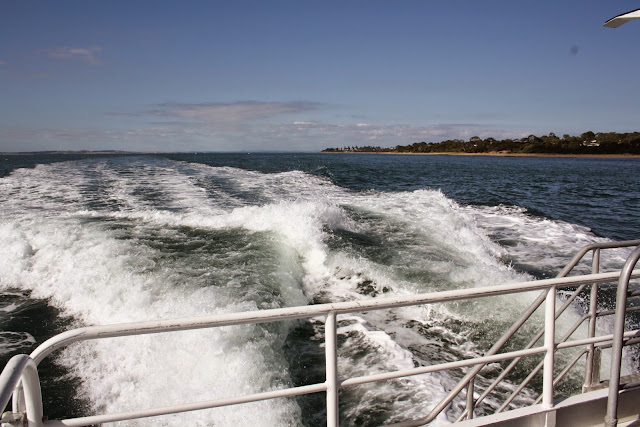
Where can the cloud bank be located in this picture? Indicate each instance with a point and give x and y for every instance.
(239, 126)
(232, 112)
(86, 54)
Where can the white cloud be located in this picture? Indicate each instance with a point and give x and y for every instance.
(240, 136)
(385, 135)
(3, 62)
(239, 126)
(67, 52)
(233, 112)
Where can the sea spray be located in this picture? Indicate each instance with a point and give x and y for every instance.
(146, 237)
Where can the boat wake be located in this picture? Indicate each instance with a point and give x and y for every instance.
(127, 239)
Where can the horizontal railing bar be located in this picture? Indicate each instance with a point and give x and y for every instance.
(611, 312)
(315, 388)
(168, 410)
(470, 362)
(218, 320)
(629, 341)
(603, 245)
(441, 367)
(594, 340)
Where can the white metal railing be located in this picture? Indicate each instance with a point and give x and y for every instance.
(466, 381)
(19, 380)
(611, 418)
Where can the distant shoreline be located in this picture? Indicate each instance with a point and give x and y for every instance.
(495, 154)
(453, 153)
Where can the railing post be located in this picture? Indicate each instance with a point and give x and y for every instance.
(21, 372)
(331, 357)
(33, 395)
(618, 330)
(549, 343)
(593, 310)
(470, 401)
(597, 363)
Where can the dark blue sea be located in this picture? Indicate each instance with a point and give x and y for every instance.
(99, 239)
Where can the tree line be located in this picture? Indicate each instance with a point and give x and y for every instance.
(587, 143)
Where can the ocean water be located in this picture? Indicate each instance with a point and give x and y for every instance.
(90, 240)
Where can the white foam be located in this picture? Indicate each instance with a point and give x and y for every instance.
(8, 308)
(58, 248)
(97, 278)
(539, 242)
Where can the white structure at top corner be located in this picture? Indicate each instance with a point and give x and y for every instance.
(616, 21)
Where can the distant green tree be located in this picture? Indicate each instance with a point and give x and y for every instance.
(588, 136)
(607, 143)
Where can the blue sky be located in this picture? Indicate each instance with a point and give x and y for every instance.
(306, 75)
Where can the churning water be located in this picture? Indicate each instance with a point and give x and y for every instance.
(97, 240)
